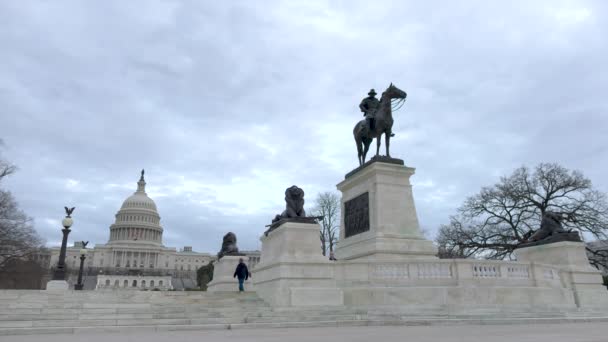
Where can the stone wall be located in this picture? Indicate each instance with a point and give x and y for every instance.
(459, 284)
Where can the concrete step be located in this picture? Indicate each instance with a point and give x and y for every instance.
(215, 326)
(137, 315)
(46, 313)
(23, 312)
(325, 310)
(265, 313)
(101, 296)
(117, 299)
(64, 305)
(305, 318)
(153, 321)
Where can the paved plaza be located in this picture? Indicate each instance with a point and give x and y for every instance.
(572, 332)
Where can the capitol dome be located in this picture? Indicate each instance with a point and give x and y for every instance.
(139, 200)
(138, 220)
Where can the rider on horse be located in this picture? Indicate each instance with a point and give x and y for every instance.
(369, 106)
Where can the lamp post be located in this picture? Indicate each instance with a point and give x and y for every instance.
(83, 255)
(67, 222)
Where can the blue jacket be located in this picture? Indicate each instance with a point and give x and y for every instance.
(241, 271)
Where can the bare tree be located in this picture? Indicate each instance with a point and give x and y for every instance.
(597, 252)
(18, 239)
(23, 274)
(327, 204)
(494, 222)
(5, 167)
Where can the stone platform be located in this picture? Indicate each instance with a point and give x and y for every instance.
(100, 312)
(223, 275)
(292, 270)
(575, 272)
(379, 219)
(475, 332)
(57, 285)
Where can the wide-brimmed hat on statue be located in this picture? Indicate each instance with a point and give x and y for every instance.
(372, 93)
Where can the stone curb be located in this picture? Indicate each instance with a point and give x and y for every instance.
(348, 323)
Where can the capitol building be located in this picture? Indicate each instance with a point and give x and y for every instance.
(134, 256)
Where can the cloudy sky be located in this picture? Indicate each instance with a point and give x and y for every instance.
(225, 104)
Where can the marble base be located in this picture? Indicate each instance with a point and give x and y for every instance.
(567, 255)
(293, 271)
(57, 285)
(575, 271)
(369, 246)
(223, 275)
(394, 232)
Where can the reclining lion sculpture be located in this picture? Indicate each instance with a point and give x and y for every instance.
(551, 224)
(550, 231)
(228, 246)
(294, 204)
(294, 210)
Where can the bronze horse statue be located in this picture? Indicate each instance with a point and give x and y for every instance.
(383, 124)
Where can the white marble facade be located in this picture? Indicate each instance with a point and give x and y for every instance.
(387, 223)
(293, 271)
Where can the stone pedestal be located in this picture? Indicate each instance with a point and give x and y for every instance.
(293, 271)
(379, 220)
(575, 271)
(223, 275)
(57, 285)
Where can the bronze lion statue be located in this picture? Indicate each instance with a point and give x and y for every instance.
(551, 230)
(294, 204)
(228, 246)
(551, 224)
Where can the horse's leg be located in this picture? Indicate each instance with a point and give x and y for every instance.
(360, 155)
(378, 144)
(367, 143)
(387, 137)
(357, 134)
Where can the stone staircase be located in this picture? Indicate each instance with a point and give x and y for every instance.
(70, 312)
(42, 312)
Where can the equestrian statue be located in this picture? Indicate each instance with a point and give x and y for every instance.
(378, 120)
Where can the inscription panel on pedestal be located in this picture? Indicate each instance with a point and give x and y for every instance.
(356, 215)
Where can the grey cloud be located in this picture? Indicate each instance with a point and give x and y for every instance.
(221, 96)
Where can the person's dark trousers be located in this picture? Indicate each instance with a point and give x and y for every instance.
(241, 281)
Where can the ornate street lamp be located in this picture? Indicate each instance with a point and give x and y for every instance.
(83, 255)
(67, 222)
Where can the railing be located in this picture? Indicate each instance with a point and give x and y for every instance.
(390, 271)
(450, 272)
(135, 272)
(434, 270)
(133, 288)
(518, 271)
(486, 271)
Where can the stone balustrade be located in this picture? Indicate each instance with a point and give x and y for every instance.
(155, 288)
(116, 282)
(448, 272)
(434, 270)
(485, 271)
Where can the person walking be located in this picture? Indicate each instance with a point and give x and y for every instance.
(242, 273)
(332, 257)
